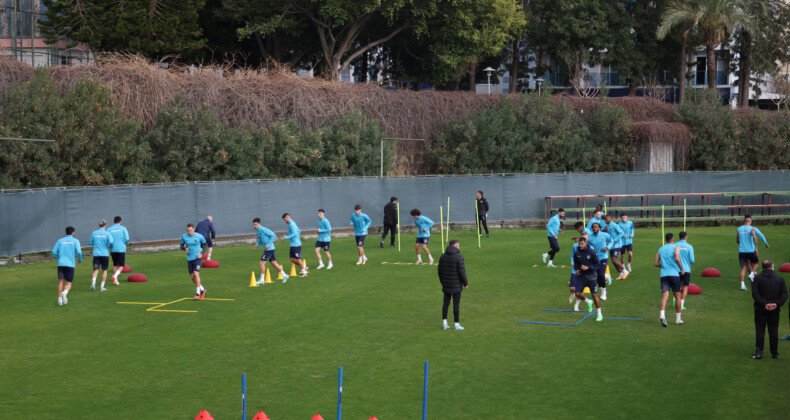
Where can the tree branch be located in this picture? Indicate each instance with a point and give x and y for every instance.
(372, 44)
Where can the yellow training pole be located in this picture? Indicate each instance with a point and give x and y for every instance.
(477, 219)
(684, 214)
(604, 207)
(441, 223)
(448, 219)
(584, 217)
(662, 224)
(398, 205)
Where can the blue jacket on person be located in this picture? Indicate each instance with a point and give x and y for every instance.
(265, 237)
(120, 237)
(324, 230)
(293, 234)
(554, 226)
(628, 229)
(617, 234)
(686, 255)
(361, 223)
(101, 241)
(425, 223)
(66, 249)
(587, 257)
(206, 228)
(599, 242)
(594, 220)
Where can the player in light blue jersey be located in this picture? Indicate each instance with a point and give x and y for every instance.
(266, 238)
(554, 227)
(324, 239)
(101, 240)
(597, 217)
(686, 259)
(601, 242)
(192, 242)
(361, 223)
(618, 236)
(66, 250)
(627, 227)
(668, 259)
(120, 238)
(423, 225)
(296, 244)
(748, 255)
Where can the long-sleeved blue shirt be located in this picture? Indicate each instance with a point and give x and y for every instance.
(628, 229)
(101, 241)
(594, 220)
(194, 245)
(686, 255)
(66, 249)
(361, 223)
(760, 235)
(669, 267)
(424, 225)
(265, 237)
(617, 234)
(573, 251)
(588, 257)
(746, 241)
(554, 226)
(599, 242)
(206, 228)
(293, 234)
(324, 230)
(120, 237)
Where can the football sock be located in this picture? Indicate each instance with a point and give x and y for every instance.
(282, 273)
(117, 273)
(677, 316)
(683, 302)
(599, 311)
(102, 283)
(93, 281)
(663, 314)
(457, 324)
(65, 293)
(444, 322)
(197, 290)
(209, 256)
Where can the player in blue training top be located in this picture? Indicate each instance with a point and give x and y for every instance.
(686, 259)
(601, 242)
(424, 225)
(266, 238)
(627, 227)
(554, 227)
(596, 217)
(66, 250)
(668, 259)
(618, 236)
(579, 226)
(324, 239)
(101, 240)
(748, 256)
(361, 223)
(585, 262)
(206, 228)
(192, 242)
(120, 238)
(296, 244)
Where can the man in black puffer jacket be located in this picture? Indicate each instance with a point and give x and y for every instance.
(452, 275)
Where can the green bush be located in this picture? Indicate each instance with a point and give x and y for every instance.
(610, 133)
(764, 140)
(715, 131)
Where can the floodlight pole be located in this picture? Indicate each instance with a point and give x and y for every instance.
(539, 81)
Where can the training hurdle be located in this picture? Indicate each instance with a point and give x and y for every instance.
(586, 316)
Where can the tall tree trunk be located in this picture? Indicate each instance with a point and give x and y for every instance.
(37, 13)
(683, 67)
(513, 67)
(711, 65)
(4, 20)
(472, 73)
(745, 71)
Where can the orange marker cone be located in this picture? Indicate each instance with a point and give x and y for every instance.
(204, 415)
(252, 280)
(260, 416)
(268, 278)
(293, 270)
(317, 417)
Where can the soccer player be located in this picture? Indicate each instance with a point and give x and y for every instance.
(761, 236)
(748, 256)
(482, 212)
(266, 238)
(361, 223)
(296, 243)
(120, 238)
(206, 228)
(601, 242)
(424, 225)
(627, 227)
(579, 226)
(324, 239)
(554, 230)
(668, 259)
(192, 242)
(618, 236)
(575, 279)
(686, 259)
(585, 262)
(66, 250)
(390, 221)
(101, 240)
(595, 218)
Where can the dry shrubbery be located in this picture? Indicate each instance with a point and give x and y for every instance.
(12, 72)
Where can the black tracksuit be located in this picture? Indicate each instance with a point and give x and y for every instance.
(452, 275)
(482, 212)
(768, 287)
(390, 222)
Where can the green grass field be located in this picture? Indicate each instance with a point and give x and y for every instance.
(95, 358)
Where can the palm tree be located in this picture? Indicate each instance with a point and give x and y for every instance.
(719, 19)
(682, 15)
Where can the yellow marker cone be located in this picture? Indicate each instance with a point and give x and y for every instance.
(304, 262)
(252, 280)
(607, 270)
(586, 290)
(293, 270)
(268, 278)
(279, 276)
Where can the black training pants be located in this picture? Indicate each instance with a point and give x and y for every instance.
(391, 228)
(483, 224)
(456, 297)
(771, 319)
(555, 247)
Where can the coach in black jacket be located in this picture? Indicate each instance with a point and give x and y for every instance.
(452, 275)
(770, 293)
(390, 221)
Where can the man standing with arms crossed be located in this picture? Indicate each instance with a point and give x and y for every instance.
(553, 228)
(206, 228)
(668, 259)
(192, 242)
(66, 250)
(324, 239)
(101, 240)
(361, 223)
(390, 221)
(748, 256)
(769, 291)
(296, 243)
(266, 238)
(120, 237)
(482, 212)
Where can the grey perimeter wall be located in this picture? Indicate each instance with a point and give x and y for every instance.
(31, 221)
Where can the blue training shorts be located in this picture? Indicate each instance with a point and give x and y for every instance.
(296, 252)
(101, 262)
(194, 265)
(66, 273)
(670, 282)
(118, 259)
(268, 256)
(629, 248)
(685, 279)
(323, 245)
(423, 241)
(360, 240)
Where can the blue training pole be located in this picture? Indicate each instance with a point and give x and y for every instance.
(243, 396)
(340, 393)
(425, 393)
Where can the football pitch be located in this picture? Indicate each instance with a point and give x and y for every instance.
(96, 358)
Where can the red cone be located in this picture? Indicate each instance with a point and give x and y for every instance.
(317, 417)
(260, 416)
(204, 415)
